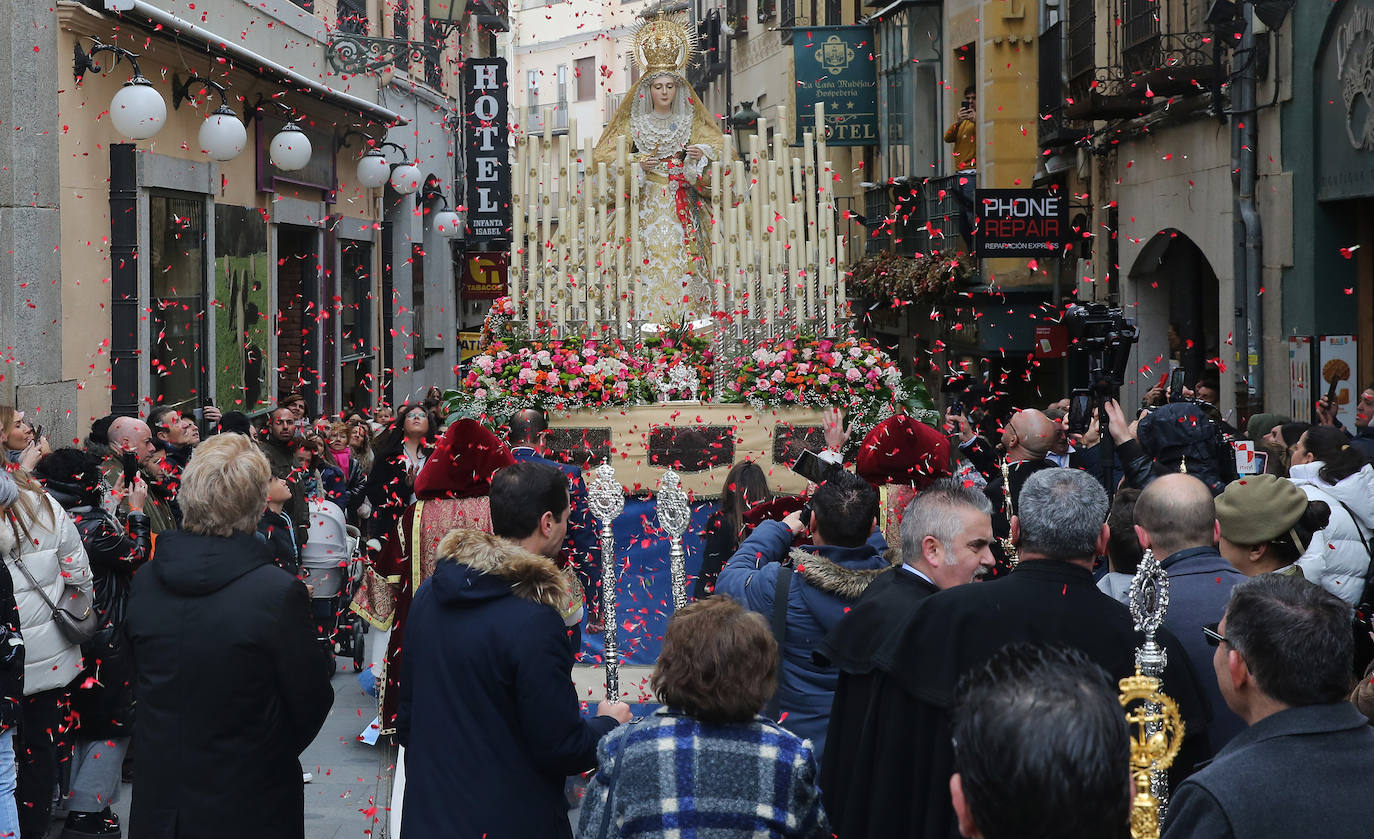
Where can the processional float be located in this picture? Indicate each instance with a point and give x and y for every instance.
(592, 236)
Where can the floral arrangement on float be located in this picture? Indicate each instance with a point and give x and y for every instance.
(850, 373)
(673, 363)
(555, 375)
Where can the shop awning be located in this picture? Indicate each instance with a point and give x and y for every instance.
(150, 16)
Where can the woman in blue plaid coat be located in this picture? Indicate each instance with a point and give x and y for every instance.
(707, 764)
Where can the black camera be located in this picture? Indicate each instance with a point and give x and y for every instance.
(1100, 341)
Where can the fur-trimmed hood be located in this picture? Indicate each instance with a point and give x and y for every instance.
(831, 577)
(526, 575)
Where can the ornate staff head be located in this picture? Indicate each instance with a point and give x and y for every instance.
(1149, 602)
(674, 512)
(605, 497)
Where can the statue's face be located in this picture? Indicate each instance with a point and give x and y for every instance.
(662, 90)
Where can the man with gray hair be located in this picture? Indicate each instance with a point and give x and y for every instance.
(1049, 598)
(946, 541)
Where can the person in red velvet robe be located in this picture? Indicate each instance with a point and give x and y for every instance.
(451, 492)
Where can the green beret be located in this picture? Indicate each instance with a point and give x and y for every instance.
(1259, 508)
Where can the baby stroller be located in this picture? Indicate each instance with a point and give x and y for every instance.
(331, 564)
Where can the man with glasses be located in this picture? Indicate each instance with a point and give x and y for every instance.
(1282, 659)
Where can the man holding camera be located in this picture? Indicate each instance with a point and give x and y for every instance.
(806, 591)
(1026, 440)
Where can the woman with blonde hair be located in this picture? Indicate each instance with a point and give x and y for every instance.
(47, 565)
(18, 440)
(232, 685)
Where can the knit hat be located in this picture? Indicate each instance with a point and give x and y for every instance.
(901, 450)
(9, 491)
(1261, 424)
(1260, 508)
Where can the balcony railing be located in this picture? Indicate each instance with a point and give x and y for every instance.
(555, 117)
(1176, 63)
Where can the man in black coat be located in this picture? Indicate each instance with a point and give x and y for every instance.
(1049, 598)
(488, 713)
(231, 682)
(1282, 660)
(946, 542)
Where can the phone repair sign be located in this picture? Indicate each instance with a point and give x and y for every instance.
(1021, 222)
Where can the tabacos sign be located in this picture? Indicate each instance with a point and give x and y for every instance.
(1021, 222)
(488, 155)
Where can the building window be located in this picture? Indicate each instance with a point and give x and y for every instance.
(586, 79)
(357, 354)
(417, 304)
(307, 5)
(532, 86)
(562, 83)
(1081, 56)
(176, 357)
(400, 28)
(353, 17)
(768, 9)
(788, 18)
(243, 317)
(434, 55)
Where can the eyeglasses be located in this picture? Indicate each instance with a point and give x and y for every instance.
(416, 415)
(1214, 638)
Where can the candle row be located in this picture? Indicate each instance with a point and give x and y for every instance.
(775, 258)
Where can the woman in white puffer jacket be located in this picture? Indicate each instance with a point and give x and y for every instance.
(1328, 468)
(42, 536)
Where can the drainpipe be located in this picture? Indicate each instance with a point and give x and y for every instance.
(1248, 236)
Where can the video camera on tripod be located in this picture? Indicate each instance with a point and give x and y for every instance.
(1100, 340)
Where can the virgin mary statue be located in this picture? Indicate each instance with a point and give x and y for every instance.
(672, 140)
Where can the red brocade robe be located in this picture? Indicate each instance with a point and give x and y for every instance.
(407, 561)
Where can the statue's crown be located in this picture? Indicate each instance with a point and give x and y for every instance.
(662, 45)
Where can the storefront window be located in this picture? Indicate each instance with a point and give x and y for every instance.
(355, 324)
(243, 294)
(177, 268)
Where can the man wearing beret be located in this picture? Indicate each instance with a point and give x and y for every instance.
(1176, 518)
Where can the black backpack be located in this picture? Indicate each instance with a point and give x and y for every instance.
(1181, 438)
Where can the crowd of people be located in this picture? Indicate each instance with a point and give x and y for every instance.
(926, 643)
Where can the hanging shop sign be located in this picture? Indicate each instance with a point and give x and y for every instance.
(1345, 97)
(488, 155)
(1021, 222)
(484, 275)
(835, 67)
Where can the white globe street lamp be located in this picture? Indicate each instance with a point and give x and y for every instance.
(406, 178)
(373, 169)
(222, 135)
(137, 110)
(448, 224)
(290, 149)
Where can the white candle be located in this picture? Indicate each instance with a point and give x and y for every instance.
(621, 211)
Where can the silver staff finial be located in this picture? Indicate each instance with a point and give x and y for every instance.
(1149, 603)
(606, 500)
(674, 516)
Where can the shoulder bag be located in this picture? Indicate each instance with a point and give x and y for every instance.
(76, 617)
